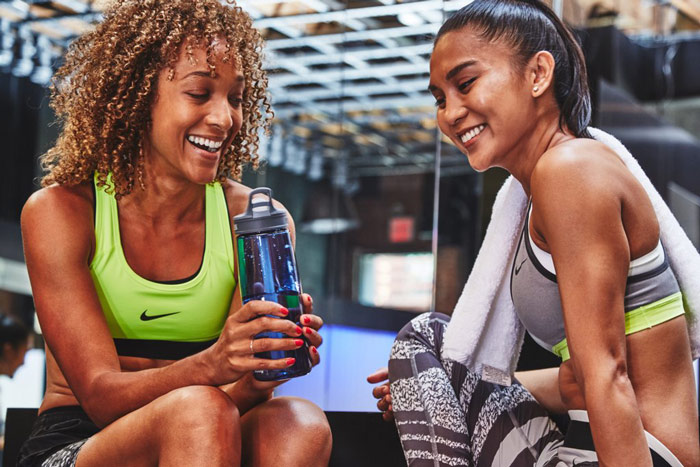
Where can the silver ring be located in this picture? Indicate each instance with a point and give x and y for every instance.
(251, 345)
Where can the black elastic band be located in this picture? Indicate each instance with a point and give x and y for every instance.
(163, 350)
(579, 436)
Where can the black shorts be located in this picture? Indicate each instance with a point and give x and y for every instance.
(53, 430)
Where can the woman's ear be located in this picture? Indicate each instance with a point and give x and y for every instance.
(541, 72)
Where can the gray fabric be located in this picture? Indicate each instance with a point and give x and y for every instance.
(64, 457)
(537, 301)
(650, 289)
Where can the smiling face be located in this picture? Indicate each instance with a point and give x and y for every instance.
(483, 98)
(194, 117)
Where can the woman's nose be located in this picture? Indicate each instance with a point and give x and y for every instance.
(454, 111)
(220, 114)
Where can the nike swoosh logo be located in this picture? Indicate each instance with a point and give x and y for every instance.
(517, 268)
(145, 317)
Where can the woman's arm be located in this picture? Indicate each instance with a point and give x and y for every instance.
(544, 386)
(577, 199)
(58, 240)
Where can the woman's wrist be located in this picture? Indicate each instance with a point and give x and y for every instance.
(247, 392)
(257, 389)
(206, 369)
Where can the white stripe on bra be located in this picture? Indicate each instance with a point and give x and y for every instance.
(644, 263)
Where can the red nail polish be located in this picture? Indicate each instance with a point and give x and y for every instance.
(308, 331)
(298, 342)
(306, 319)
(313, 349)
(298, 330)
(284, 311)
(309, 299)
(290, 361)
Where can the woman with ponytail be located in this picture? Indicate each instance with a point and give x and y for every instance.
(589, 277)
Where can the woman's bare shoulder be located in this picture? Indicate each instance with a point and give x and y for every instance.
(59, 207)
(237, 195)
(581, 167)
(61, 197)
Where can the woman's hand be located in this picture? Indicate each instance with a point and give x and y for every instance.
(382, 393)
(310, 327)
(233, 354)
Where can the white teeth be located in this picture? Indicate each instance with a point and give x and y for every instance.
(205, 142)
(472, 133)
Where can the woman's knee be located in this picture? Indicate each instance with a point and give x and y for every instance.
(306, 418)
(296, 422)
(204, 408)
(420, 323)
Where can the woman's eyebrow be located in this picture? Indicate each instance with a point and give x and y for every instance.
(240, 79)
(458, 68)
(450, 74)
(205, 74)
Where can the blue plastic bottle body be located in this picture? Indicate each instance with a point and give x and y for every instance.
(267, 271)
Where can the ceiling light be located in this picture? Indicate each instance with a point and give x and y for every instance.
(432, 16)
(316, 166)
(409, 18)
(25, 64)
(43, 72)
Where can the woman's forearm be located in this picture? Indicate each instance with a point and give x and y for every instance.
(615, 422)
(112, 394)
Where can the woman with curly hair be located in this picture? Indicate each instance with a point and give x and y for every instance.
(129, 251)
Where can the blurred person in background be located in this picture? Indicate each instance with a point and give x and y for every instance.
(129, 247)
(14, 342)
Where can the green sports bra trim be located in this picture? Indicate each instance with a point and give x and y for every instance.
(639, 319)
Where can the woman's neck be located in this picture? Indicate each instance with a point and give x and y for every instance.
(166, 198)
(545, 135)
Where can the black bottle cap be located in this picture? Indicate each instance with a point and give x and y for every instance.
(260, 215)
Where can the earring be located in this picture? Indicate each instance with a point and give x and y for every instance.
(536, 88)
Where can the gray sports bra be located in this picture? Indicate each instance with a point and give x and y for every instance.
(652, 295)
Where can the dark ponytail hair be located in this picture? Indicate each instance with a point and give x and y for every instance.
(531, 26)
(12, 332)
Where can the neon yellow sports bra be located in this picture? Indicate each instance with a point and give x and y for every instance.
(163, 320)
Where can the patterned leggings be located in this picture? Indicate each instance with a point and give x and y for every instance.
(447, 416)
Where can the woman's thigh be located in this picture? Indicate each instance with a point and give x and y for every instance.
(187, 424)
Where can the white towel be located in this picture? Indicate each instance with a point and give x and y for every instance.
(485, 333)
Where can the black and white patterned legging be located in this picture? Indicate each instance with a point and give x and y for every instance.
(447, 416)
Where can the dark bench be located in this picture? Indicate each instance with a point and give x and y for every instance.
(359, 438)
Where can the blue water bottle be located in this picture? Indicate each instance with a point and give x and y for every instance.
(267, 271)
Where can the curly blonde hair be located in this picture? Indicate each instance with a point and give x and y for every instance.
(104, 91)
